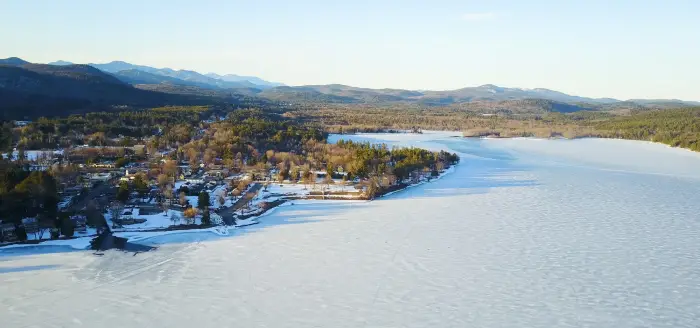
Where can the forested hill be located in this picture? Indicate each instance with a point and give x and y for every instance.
(674, 127)
(32, 90)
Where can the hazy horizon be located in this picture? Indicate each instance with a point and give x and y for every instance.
(623, 50)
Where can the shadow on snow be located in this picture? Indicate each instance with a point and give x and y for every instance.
(28, 268)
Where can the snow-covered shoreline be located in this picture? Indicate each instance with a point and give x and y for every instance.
(442, 174)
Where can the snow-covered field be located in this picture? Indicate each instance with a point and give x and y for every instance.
(300, 189)
(523, 233)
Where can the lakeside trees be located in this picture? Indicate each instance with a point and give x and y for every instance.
(383, 168)
(677, 128)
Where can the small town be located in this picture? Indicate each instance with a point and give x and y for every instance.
(113, 184)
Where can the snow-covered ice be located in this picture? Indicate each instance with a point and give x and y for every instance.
(523, 233)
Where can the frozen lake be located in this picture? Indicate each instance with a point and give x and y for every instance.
(524, 233)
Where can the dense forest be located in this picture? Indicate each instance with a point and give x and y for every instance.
(677, 128)
(26, 194)
(96, 128)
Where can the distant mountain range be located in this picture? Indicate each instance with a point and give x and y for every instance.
(28, 90)
(141, 76)
(467, 97)
(126, 72)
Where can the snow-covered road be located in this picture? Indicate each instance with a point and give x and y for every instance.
(521, 234)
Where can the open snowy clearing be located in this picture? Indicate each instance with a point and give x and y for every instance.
(523, 233)
(300, 189)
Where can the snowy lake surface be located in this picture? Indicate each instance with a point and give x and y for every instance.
(523, 233)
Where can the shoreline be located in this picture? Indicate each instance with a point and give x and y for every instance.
(83, 243)
(445, 172)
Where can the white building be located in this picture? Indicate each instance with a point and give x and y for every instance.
(101, 176)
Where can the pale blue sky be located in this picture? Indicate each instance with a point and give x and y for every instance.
(622, 49)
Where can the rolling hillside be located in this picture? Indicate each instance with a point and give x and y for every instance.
(136, 77)
(485, 98)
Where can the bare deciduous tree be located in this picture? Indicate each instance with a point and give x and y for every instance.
(175, 218)
(167, 199)
(115, 211)
(182, 199)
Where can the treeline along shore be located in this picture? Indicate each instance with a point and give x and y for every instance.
(675, 127)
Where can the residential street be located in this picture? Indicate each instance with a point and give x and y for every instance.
(227, 214)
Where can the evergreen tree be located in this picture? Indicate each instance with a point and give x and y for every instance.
(21, 233)
(123, 192)
(67, 226)
(6, 137)
(203, 201)
(140, 184)
(203, 205)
